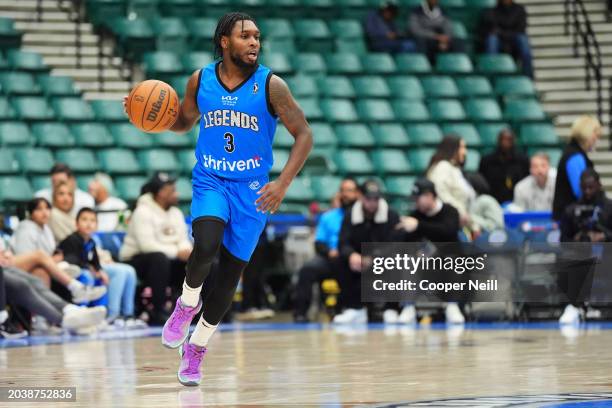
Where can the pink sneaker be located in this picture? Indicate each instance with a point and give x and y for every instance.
(176, 329)
(191, 360)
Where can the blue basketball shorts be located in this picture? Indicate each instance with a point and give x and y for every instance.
(233, 201)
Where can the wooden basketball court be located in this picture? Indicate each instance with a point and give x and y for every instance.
(321, 365)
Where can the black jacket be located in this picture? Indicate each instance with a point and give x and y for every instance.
(78, 252)
(442, 227)
(506, 21)
(564, 195)
(597, 216)
(356, 228)
(503, 172)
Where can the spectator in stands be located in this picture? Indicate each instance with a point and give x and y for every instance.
(7, 329)
(156, 244)
(62, 173)
(382, 33)
(432, 30)
(584, 134)
(370, 219)
(432, 220)
(62, 221)
(536, 191)
(485, 211)
(505, 28)
(107, 206)
(504, 167)
(451, 186)
(80, 249)
(324, 264)
(24, 290)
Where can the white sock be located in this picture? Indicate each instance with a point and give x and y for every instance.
(190, 296)
(70, 308)
(74, 285)
(202, 333)
(3, 316)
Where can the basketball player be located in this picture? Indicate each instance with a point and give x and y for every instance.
(237, 102)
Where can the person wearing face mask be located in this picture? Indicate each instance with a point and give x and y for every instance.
(584, 134)
(326, 246)
(536, 191)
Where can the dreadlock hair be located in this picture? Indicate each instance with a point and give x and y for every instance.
(225, 26)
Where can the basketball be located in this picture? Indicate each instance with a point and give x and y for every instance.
(153, 106)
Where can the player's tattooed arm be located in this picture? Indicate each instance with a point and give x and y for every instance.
(188, 112)
(290, 113)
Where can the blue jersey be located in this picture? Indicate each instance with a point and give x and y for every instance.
(237, 127)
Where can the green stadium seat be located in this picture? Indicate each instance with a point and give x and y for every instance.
(460, 31)
(336, 86)
(353, 9)
(472, 160)
(466, 131)
(14, 134)
(280, 158)
(489, 132)
(419, 159)
(473, 86)
(496, 64)
(416, 64)
(300, 190)
(136, 37)
(15, 189)
(275, 28)
(26, 61)
(285, 8)
(184, 189)
(318, 163)
(446, 110)
(311, 109)
(9, 37)
(375, 110)
(40, 182)
(287, 45)
(518, 110)
(514, 86)
(129, 187)
(171, 140)
(325, 187)
(339, 110)
(18, 83)
(318, 9)
(379, 63)
(282, 138)
(390, 161)
(354, 135)
(554, 154)
(101, 11)
(80, 160)
(323, 135)
(344, 64)
(346, 29)
(354, 45)
(72, 109)
(410, 111)
(155, 160)
(278, 62)
(31, 108)
(118, 161)
(353, 161)
(390, 135)
(371, 86)
(179, 84)
(310, 63)
(6, 111)
(194, 61)
(52, 85)
(453, 64)
(108, 110)
(539, 134)
(92, 135)
(142, 8)
(83, 181)
(406, 87)
(424, 134)
(170, 34)
(481, 3)
(483, 109)
(178, 8)
(400, 186)
(303, 86)
(52, 135)
(255, 8)
(34, 160)
(439, 86)
(187, 160)
(128, 136)
(8, 164)
(201, 32)
(161, 65)
(313, 35)
(3, 63)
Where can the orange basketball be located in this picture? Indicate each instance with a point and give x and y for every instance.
(153, 106)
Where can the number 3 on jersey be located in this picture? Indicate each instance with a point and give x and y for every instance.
(229, 142)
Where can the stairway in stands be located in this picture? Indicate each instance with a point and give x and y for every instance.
(560, 77)
(54, 37)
